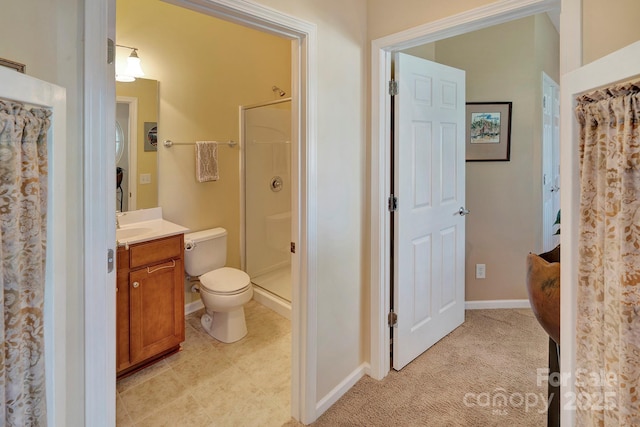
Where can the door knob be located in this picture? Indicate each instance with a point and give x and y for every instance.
(462, 211)
(136, 284)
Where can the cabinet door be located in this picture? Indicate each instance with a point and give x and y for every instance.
(122, 311)
(156, 309)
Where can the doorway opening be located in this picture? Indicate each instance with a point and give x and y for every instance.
(383, 50)
(100, 308)
(550, 163)
(126, 152)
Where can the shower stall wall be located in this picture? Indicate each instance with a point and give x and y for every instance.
(266, 133)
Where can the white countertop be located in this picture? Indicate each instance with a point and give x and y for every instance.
(143, 225)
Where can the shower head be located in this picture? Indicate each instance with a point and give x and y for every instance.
(278, 91)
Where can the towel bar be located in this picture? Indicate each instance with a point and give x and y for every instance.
(168, 143)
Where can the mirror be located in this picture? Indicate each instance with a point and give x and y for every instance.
(137, 106)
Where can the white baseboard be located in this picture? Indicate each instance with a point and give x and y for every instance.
(332, 397)
(500, 303)
(192, 307)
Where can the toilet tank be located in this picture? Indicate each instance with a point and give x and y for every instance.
(205, 251)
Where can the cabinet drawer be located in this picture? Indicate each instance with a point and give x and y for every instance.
(156, 251)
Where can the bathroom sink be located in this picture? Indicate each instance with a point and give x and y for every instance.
(126, 233)
(144, 225)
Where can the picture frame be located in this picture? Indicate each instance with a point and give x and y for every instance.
(150, 136)
(21, 68)
(488, 131)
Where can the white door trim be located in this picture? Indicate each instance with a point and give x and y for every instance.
(99, 210)
(381, 49)
(99, 173)
(31, 91)
(550, 158)
(132, 172)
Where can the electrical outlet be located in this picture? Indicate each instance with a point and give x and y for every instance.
(481, 271)
(145, 178)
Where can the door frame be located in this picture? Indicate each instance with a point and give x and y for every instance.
(35, 92)
(99, 174)
(593, 75)
(550, 146)
(132, 147)
(381, 54)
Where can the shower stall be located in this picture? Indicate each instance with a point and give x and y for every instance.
(266, 142)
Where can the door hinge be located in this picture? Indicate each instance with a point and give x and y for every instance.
(392, 203)
(293, 248)
(111, 51)
(109, 260)
(393, 87)
(392, 319)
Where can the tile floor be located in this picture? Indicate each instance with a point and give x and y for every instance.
(212, 384)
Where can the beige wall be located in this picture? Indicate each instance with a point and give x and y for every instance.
(504, 197)
(608, 26)
(342, 256)
(387, 17)
(45, 36)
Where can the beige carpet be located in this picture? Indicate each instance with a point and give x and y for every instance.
(482, 374)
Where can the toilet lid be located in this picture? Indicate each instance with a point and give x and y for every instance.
(225, 280)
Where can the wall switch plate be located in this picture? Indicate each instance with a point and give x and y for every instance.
(481, 271)
(145, 178)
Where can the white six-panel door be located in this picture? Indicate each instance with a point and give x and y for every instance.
(429, 182)
(550, 161)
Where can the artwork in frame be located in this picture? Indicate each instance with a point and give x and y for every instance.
(488, 131)
(21, 68)
(150, 136)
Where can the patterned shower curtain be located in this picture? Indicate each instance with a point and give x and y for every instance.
(23, 207)
(608, 324)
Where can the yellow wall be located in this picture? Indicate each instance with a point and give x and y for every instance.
(207, 68)
(146, 91)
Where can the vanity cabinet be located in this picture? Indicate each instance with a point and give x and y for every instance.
(150, 302)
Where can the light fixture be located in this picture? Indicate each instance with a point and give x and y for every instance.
(133, 68)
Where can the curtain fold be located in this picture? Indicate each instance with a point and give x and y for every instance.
(23, 208)
(608, 294)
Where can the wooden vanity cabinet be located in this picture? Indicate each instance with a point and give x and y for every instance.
(150, 302)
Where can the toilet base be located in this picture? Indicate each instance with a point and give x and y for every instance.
(227, 326)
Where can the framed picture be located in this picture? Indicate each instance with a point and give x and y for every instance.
(150, 136)
(488, 131)
(21, 68)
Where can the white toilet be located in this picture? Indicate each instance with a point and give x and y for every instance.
(223, 290)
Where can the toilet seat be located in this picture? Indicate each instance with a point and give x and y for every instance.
(225, 281)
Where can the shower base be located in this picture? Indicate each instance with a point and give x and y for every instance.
(273, 290)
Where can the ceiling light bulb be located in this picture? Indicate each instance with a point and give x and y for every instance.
(124, 78)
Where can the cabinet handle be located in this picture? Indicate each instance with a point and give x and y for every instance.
(136, 284)
(173, 264)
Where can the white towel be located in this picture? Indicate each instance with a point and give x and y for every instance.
(206, 161)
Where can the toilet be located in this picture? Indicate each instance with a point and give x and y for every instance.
(223, 290)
